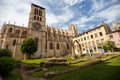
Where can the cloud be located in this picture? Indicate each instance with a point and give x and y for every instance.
(110, 14)
(53, 19)
(72, 2)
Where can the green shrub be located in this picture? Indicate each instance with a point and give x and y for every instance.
(7, 64)
(5, 52)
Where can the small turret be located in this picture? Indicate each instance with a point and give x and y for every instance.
(73, 31)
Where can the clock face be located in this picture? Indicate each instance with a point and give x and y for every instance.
(36, 25)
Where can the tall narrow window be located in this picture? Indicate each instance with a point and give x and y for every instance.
(35, 11)
(51, 45)
(34, 17)
(10, 30)
(67, 46)
(58, 46)
(14, 42)
(40, 13)
(91, 36)
(40, 19)
(36, 41)
(37, 18)
(100, 33)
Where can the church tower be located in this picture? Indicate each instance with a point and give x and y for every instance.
(36, 26)
(37, 18)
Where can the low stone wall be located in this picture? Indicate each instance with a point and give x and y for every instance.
(51, 64)
(52, 74)
(74, 62)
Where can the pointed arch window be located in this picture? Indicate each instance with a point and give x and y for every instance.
(34, 17)
(36, 41)
(10, 30)
(17, 31)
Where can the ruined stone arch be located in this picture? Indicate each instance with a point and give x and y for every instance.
(77, 48)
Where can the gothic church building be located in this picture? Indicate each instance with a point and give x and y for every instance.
(50, 41)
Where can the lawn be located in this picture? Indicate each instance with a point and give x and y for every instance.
(33, 61)
(108, 70)
(58, 68)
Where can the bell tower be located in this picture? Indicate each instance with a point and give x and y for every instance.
(37, 27)
(37, 18)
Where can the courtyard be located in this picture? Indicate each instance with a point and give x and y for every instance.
(105, 70)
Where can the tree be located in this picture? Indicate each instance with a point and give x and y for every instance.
(28, 47)
(110, 45)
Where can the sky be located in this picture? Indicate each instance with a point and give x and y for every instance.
(87, 14)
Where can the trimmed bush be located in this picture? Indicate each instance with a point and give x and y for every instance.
(7, 64)
(5, 52)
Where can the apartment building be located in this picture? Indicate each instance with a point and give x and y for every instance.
(91, 41)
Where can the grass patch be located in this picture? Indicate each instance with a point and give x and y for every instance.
(70, 59)
(33, 61)
(108, 70)
(57, 68)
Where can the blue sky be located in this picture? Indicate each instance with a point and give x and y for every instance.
(61, 13)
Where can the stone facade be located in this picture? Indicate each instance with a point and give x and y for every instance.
(51, 41)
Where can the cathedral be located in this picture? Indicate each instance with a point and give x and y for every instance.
(50, 41)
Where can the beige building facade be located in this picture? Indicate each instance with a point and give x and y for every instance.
(91, 41)
(50, 41)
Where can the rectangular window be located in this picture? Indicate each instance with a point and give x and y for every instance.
(102, 40)
(95, 50)
(84, 38)
(81, 39)
(100, 33)
(96, 35)
(111, 36)
(89, 44)
(87, 37)
(82, 44)
(93, 43)
(97, 41)
(91, 36)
